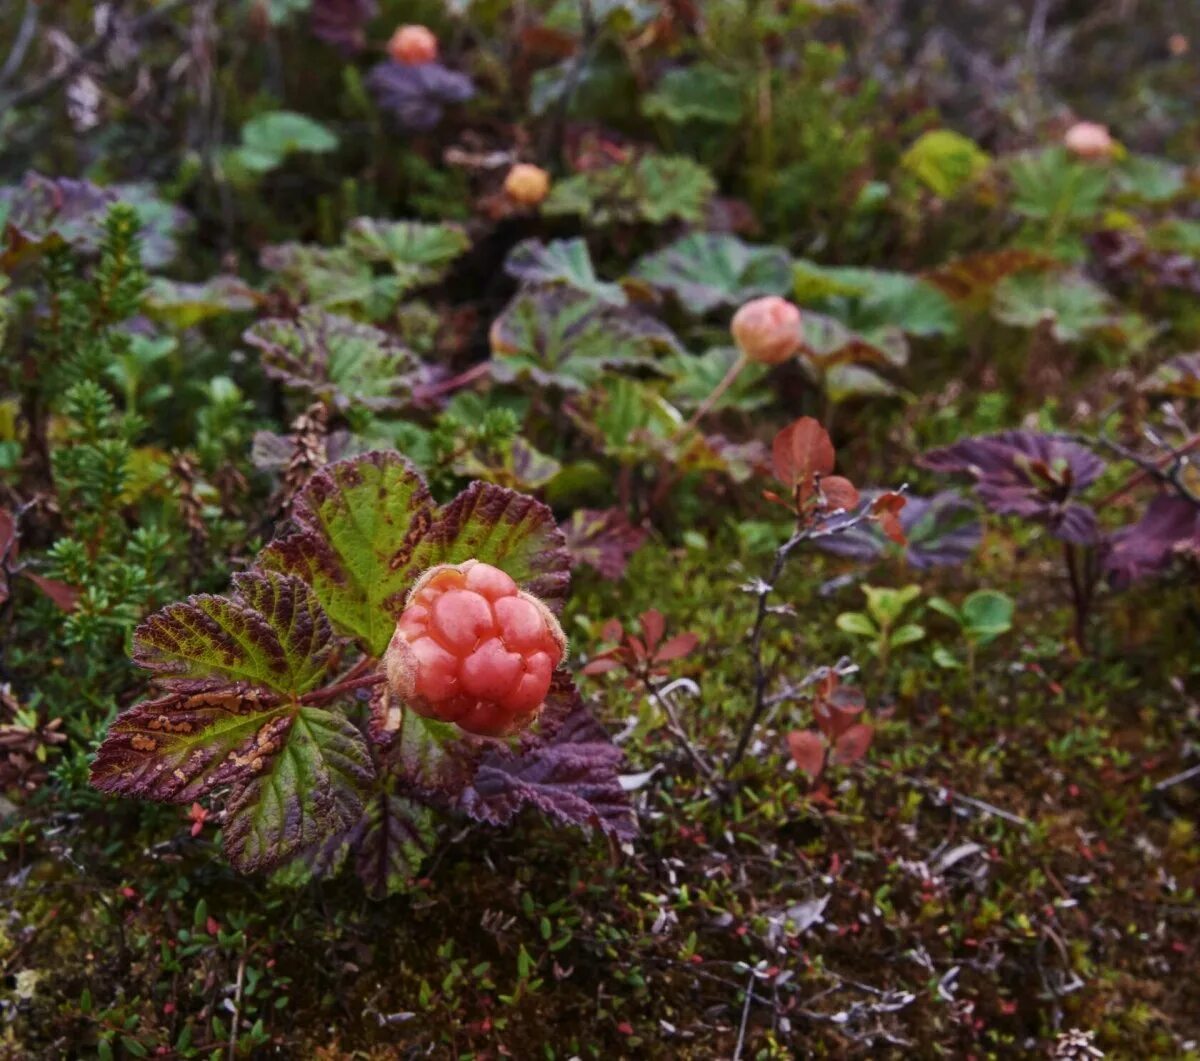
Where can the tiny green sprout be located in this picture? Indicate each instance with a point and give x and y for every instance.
(880, 623)
(983, 617)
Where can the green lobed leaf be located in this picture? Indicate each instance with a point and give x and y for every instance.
(341, 362)
(267, 139)
(394, 837)
(945, 161)
(655, 189)
(272, 633)
(308, 792)
(699, 93)
(705, 270)
(558, 336)
(565, 261)
(361, 521)
(368, 528)
(1068, 302)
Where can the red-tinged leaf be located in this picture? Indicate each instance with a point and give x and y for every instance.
(853, 744)
(603, 539)
(612, 630)
(636, 646)
(272, 633)
(653, 626)
(310, 791)
(676, 647)
(179, 748)
(839, 710)
(808, 751)
(65, 597)
(801, 451)
(885, 510)
(601, 665)
(839, 492)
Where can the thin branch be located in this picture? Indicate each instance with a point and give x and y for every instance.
(663, 698)
(764, 589)
(1167, 470)
(1178, 779)
(90, 52)
(741, 1039)
(21, 42)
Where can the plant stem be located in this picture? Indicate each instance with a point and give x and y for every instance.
(714, 396)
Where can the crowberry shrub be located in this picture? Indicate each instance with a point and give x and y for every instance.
(472, 649)
(413, 45)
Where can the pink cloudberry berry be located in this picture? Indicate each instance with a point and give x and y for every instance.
(767, 330)
(414, 45)
(1089, 140)
(527, 184)
(473, 649)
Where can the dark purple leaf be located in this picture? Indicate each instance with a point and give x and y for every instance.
(941, 530)
(574, 779)
(389, 842)
(603, 539)
(1169, 527)
(342, 23)
(1027, 474)
(416, 95)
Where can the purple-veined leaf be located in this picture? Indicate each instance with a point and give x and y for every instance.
(308, 792)
(1169, 527)
(336, 360)
(271, 633)
(395, 834)
(941, 531)
(342, 23)
(180, 747)
(42, 210)
(416, 95)
(573, 778)
(1027, 474)
(603, 539)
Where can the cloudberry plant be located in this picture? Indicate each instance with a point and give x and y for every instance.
(473, 649)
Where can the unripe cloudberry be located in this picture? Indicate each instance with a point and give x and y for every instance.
(473, 649)
(414, 45)
(1089, 140)
(527, 184)
(767, 330)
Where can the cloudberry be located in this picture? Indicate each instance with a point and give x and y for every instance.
(473, 649)
(767, 330)
(527, 184)
(1089, 140)
(414, 45)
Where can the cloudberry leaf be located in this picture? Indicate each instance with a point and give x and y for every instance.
(511, 531)
(573, 778)
(368, 528)
(360, 520)
(180, 747)
(603, 539)
(395, 834)
(271, 633)
(705, 270)
(336, 360)
(558, 336)
(309, 791)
